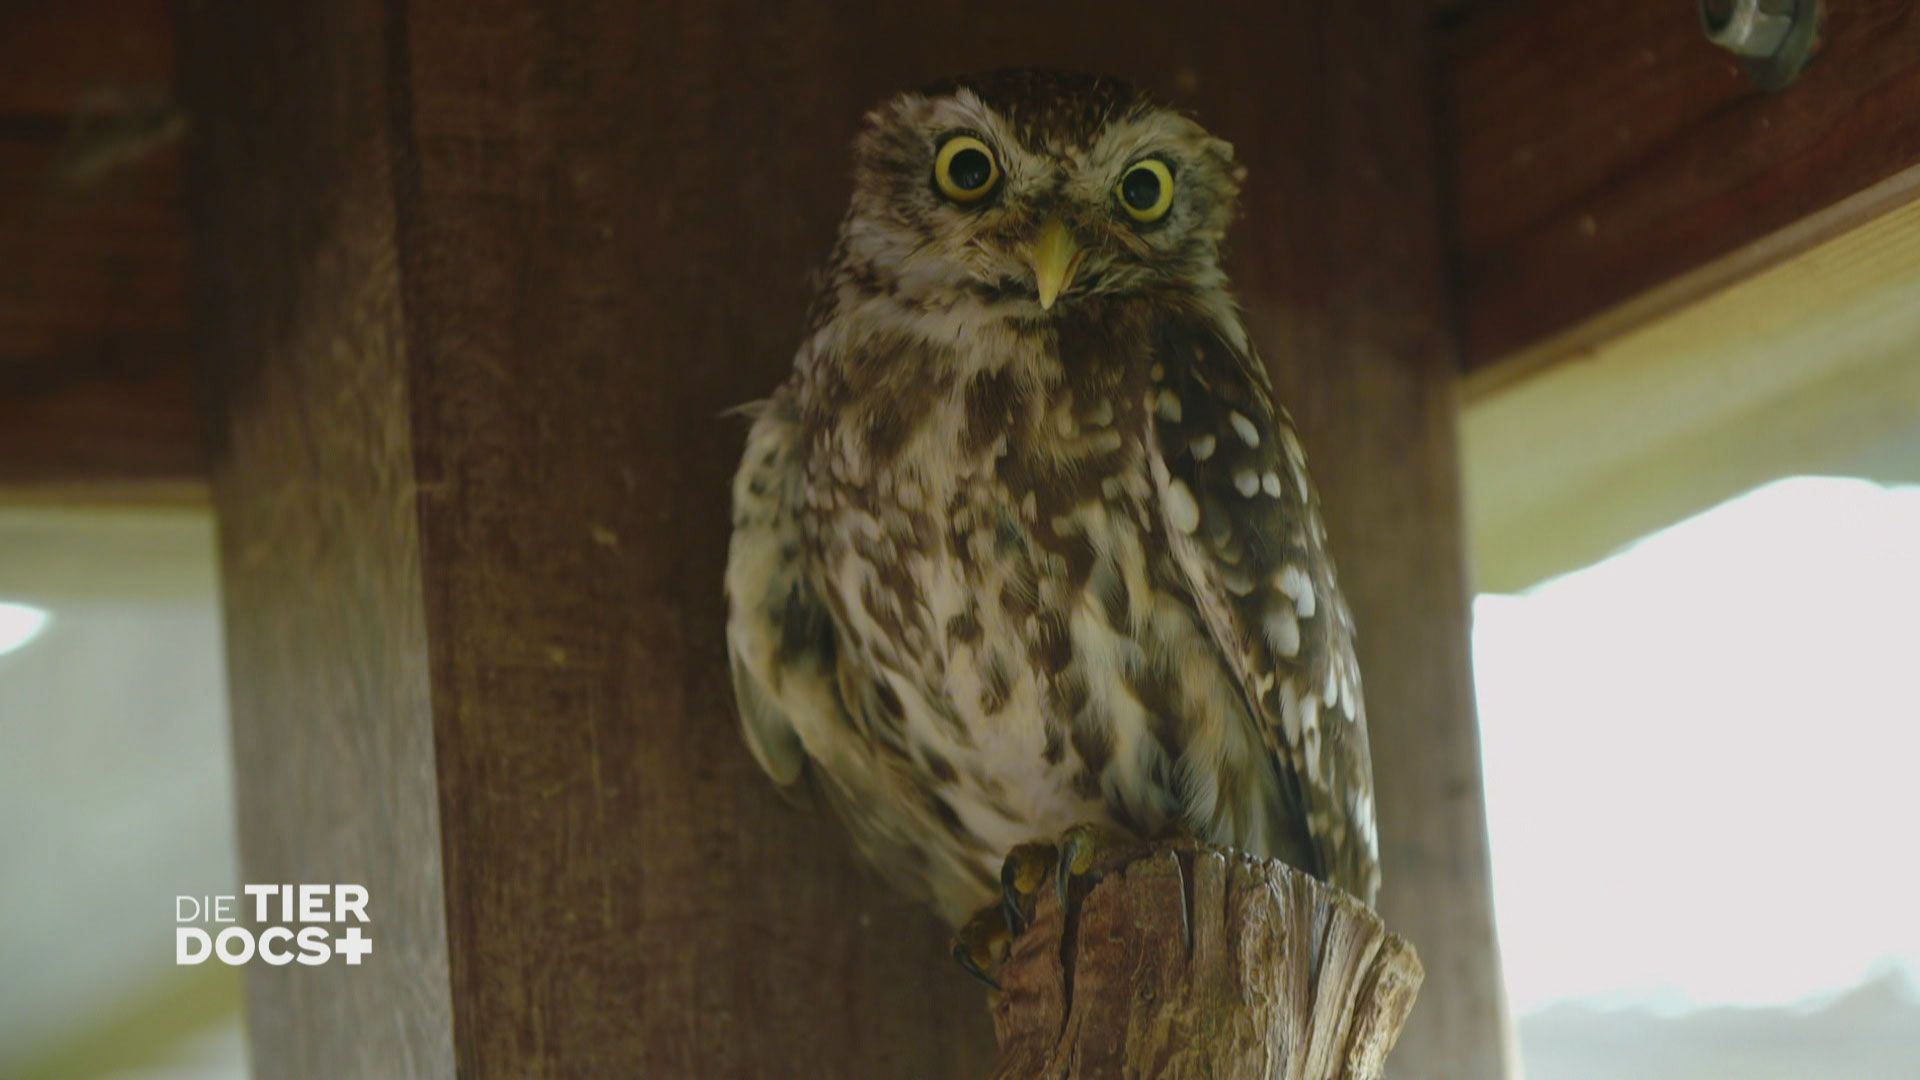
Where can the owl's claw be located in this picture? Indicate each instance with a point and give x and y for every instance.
(980, 945)
(1081, 849)
(1021, 876)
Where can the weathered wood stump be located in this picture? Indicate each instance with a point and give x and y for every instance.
(1192, 961)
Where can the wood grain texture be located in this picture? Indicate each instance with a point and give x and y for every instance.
(327, 635)
(602, 218)
(98, 390)
(1184, 962)
(59, 55)
(1609, 164)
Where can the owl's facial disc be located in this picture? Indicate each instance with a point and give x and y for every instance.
(1039, 194)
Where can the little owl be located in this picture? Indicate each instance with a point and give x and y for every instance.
(1024, 543)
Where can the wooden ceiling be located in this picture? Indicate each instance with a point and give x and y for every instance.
(1607, 165)
(97, 390)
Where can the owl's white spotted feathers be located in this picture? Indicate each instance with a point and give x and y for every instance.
(1001, 567)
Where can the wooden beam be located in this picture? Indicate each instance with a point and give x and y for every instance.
(59, 56)
(1610, 165)
(334, 734)
(98, 390)
(1806, 368)
(480, 280)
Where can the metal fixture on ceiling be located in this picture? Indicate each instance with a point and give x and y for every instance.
(1774, 39)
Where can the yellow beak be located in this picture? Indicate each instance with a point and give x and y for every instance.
(1055, 259)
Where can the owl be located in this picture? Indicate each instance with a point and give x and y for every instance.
(1024, 543)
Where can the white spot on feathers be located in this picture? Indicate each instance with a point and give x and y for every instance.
(1202, 447)
(1293, 581)
(1290, 711)
(1299, 479)
(1182, 511)
(1283, 633)
(1295, 455)
(1169, 406)
(1247, 482)
(1248, 433)
(1270, 482)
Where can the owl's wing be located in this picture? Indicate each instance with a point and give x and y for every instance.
(1245, 528)
(805, 703)
(780, 638)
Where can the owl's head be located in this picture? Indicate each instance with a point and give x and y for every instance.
(1035, 188)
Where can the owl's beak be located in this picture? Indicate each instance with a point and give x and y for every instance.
(1055, 259)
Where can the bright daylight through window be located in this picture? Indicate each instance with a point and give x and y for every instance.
(19, 624)
(1700, 777)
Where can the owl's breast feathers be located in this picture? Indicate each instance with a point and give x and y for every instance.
(983, 596)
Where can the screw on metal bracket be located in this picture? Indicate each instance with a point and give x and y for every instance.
(1774, 39)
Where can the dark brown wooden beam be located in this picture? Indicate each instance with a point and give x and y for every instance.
(98, 389)
(479, 282)
(59, 55)
(1609, 164)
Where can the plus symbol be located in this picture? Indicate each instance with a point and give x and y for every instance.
(352, 945)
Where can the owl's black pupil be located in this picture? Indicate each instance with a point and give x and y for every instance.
(1141, 189)
(970, 170)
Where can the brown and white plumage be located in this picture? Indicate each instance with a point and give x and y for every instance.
(999, 567)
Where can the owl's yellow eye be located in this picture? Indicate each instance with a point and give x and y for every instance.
(964, 170)
(1146, 191)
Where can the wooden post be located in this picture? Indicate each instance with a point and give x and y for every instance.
(471, 477)
(477, 281)
(1185, 962)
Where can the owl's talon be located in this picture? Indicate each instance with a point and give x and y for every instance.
(1081, 849)
(981, 944)
(1021, 876)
